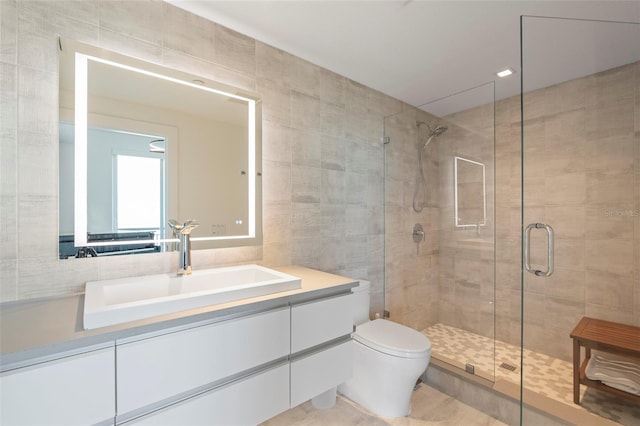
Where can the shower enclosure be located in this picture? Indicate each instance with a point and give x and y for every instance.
(580, 127)
(530, 218)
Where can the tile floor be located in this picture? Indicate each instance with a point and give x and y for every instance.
(543, 374)
(428, 407)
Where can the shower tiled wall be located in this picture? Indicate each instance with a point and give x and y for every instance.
(322, 153)
(411, 269)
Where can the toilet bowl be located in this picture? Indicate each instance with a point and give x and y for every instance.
(388, 359)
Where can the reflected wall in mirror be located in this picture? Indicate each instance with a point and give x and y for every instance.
(141, 144)
(469, 193)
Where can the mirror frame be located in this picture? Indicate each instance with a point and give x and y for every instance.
(457, 218)
(82, 54)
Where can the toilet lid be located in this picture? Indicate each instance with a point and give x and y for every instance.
(393, 339)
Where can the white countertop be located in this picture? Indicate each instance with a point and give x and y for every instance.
(34, 330)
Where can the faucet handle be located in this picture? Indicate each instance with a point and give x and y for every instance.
(189, 226)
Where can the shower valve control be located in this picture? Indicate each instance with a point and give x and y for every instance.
(418, 236)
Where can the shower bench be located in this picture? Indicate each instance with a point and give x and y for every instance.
(605, 336)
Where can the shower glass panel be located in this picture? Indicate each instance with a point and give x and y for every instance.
(580, 127)
(441, 280)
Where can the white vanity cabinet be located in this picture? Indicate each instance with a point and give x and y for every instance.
(320, 346)
(247, 401)
(75, 390)
(158, 369)
(241, 367)
(242, 371)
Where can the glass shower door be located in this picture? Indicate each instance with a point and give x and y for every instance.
(580, 211)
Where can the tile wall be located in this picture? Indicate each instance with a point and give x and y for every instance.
(411, 269)
(322, 153)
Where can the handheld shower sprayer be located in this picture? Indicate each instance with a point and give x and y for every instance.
(420, 179)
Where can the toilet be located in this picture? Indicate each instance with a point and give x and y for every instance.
(388, 359)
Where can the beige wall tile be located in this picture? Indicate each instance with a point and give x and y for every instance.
(570, 188)
(37, 227)
(306, 220)
(608, 313)
(276, 102)
(333, 220)
(305, 112)
(235, 50)
(610, 154)
(612, 187)
(609, 289)
(613, 256)
(333, 186)
(198, 41)
(8, 279)
(131, 46)
(567, 96)
(610, 221)
(273, 64)
(333, 119)
(141, 19)
(278, 142)
(305, 77)
(306, 186)
(8, 32)
(567, 221)
(279, 216)
(9, 220)
(332, 87)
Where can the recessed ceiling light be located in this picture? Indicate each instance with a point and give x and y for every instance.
(505, 73)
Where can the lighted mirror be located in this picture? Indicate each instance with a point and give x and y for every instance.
(141, 144)
(469, 193)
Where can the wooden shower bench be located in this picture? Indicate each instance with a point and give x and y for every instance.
(605, 336)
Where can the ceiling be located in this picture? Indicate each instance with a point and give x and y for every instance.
(422, 51)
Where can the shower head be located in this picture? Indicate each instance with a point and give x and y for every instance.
(437, 131)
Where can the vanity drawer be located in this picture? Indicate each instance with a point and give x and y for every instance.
(74, 390)
(317, 322)
(247, 402)
(318, 372)
(158, 368)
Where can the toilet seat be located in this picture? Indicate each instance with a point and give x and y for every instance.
(393, 339)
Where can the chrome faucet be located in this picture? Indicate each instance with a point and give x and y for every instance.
(184, 248)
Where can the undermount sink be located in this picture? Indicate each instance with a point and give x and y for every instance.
(111, 302)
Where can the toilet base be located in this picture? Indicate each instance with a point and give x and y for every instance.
(382, 383)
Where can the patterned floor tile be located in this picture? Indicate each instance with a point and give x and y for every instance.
(543, 374)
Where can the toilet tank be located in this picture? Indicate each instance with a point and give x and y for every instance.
(361, 296)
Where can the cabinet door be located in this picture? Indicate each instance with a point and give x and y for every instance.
(247, 402)
(318, 372)
(159, 368)
(317, 322)
(75, 390)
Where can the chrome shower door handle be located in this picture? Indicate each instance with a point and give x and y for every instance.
(527, 249)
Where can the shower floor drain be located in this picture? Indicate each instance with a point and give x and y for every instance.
(507, 366)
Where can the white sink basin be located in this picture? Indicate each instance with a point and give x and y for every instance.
(121, 300)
